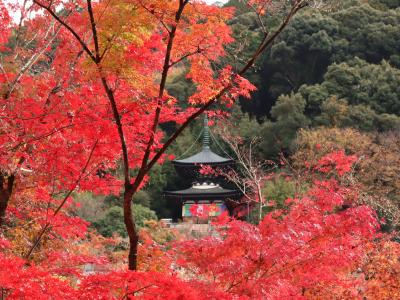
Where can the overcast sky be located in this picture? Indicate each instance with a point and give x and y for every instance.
(16, 16)
(213, 1)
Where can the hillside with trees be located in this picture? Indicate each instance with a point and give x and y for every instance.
(100, 99)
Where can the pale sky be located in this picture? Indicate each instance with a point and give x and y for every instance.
(213, 1)
(16, 16)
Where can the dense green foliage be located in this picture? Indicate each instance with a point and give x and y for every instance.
(113, 220)
(316, 40)
(106, 214)
(338, 67)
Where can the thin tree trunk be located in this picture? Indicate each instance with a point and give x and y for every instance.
(3, 205)
(260, 203)
(6, 189)
(3, 293)
(130, 227)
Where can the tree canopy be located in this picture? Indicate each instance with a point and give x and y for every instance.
(97, 97)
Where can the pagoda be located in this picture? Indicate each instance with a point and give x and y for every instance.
(208, 196)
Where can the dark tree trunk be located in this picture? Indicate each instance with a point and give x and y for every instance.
(130, 227)
(6, 188)
(3, 205)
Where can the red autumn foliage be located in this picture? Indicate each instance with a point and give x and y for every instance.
(58, 134)
(338, 161)
(292, 253)
(289, 252)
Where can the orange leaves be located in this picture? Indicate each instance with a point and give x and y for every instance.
(121, 25)
(377, 275)
(199, 39)
(382, 271)
(226, 82)
(133, 36)
(155, 246)
(203, 32)
(259, 6)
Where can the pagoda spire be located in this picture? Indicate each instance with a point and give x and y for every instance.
(206, 134)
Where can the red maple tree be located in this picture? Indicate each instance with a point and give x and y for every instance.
(312, 248)
(81, 91)
(84, 88)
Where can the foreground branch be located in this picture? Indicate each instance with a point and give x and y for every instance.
(60, 206)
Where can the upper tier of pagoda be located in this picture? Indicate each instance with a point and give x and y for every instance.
(205, 156)
(190, 166)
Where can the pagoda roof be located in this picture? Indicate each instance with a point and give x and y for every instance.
(206, 156)
(204, 190)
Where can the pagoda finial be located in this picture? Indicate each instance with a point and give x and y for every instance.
(206, 134)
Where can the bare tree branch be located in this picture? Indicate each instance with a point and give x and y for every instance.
(31, 61)
(69, 28)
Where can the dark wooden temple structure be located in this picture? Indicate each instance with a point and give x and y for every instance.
(208, 196)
